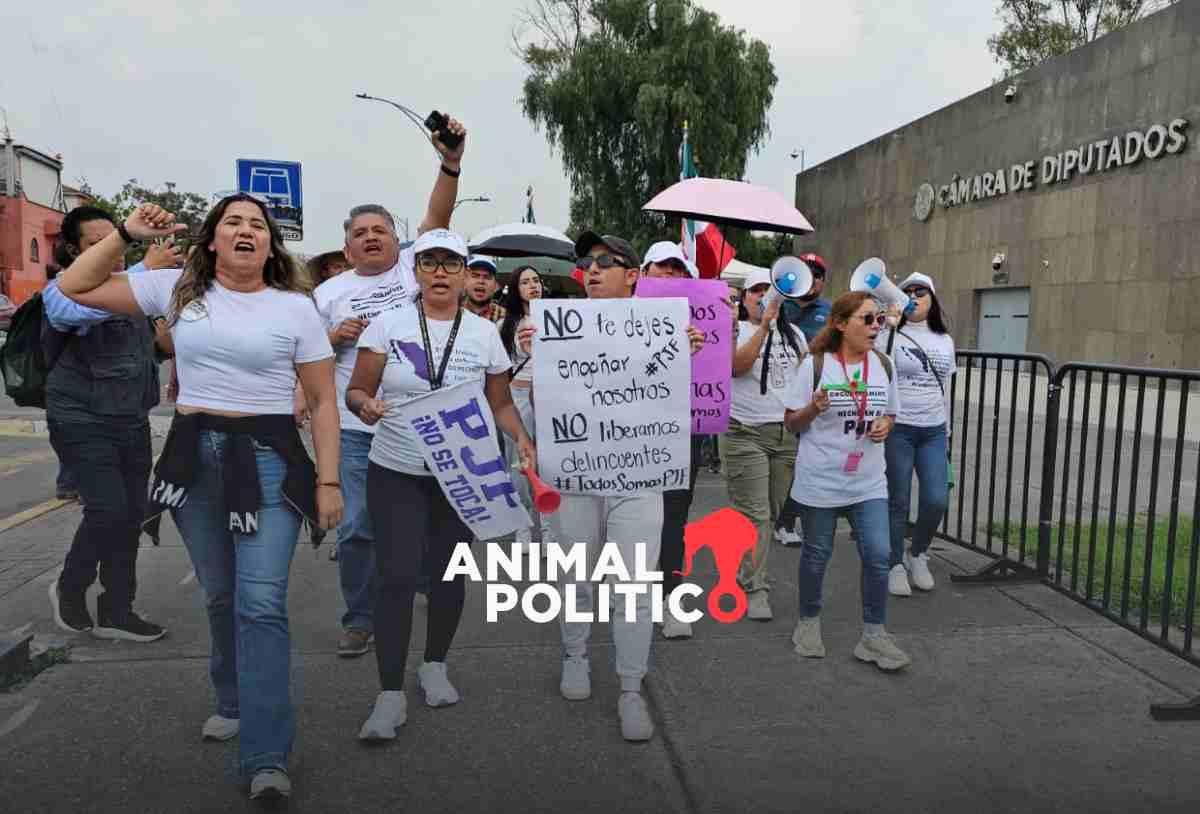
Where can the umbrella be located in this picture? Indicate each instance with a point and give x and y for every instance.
(523, 240)
(731, 203)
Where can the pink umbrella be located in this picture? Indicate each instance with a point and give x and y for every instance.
(732, 203)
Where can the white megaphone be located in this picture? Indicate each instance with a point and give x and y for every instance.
(871, 277)
(791, 279)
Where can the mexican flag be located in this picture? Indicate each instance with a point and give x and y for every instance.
(701, 242)
(690, 228)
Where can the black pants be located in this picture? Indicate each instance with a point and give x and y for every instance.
(412, 520)
(111, 466)
(676, 505)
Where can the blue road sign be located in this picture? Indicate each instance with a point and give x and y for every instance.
(277, 184)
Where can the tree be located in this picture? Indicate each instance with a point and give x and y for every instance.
(1035, 30)
(612, 82)
(188, 207)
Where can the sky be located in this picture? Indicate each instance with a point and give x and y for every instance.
(177, 90)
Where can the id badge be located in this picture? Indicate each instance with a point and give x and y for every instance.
(852, 460)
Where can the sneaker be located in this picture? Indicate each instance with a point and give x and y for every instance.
(807, 638)
(70, 612)
(389, 714)
(673, 627)
(576, 684)
(220, 728)
(66, 494)
(354, 642)
(333, 552)
(759, 607)
(439, 692)
(788, 537)
(898, 582)
(270, 784)
(636, 724)
(130, 628)
(918, 569)
(882, 650)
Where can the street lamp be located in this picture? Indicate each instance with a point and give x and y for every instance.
(799, 153)
(480, 199)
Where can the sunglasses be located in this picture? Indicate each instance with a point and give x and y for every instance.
(917, 291)
(429, 264)
(603, 261)
(879, 319)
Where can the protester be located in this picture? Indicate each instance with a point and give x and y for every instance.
(610, 268)
(234, 471)
(524, 287)
(922, 352)
(481, 290)
(410, 352)
(98, 399)
(328, 265)
(382, 280)
(843, 404)
(760, 453)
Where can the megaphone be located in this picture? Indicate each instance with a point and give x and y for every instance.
(871, 277)
(791, 279)
(545, 498)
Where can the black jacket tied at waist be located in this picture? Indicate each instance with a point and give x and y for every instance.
(180, 462)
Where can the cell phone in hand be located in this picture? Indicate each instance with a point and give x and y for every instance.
(441, 123)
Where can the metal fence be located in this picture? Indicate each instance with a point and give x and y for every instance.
(1083, 477)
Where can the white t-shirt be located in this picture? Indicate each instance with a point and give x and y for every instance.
(236, 351)
(749, 405)
(914, 352)
(821, 479)
(525, 374)
(351, 295)
(477, 351)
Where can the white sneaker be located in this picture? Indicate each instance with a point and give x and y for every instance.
(439, 692)
(576, 684)
(219, 728)
(636, 724)
(883, 652)
(759, 607)
(807, 638)
(788, 537)
(918, 569)
(270, 784)
(674, 628)
(898, 582)
(390, 713)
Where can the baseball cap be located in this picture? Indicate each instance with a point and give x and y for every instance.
(441, 239)
(815, 260)
(665, 250)
(917, 278)
(757, 277)
(479, 261)
(617, 245)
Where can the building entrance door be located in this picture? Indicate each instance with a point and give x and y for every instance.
(1003, 320)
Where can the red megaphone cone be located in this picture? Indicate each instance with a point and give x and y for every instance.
(545, 499)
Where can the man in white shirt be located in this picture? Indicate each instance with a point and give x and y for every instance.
(382, 280)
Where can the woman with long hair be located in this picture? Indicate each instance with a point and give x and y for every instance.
(410, 352)
(760, 453)
(922, 351)
(234, 472)
(524, 286)
(843, 404)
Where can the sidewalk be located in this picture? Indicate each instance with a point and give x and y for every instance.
(1018, 700)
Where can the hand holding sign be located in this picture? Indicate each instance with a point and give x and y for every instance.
(695, 339)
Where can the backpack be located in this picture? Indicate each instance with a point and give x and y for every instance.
(26, 358)
(819, 363)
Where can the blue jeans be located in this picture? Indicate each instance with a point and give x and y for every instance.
(923, 449)
(355, 541)
(245, 581)
(870, 520)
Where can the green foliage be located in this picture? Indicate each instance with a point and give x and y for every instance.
(188, 207)
(1035, 30)
(612, 82)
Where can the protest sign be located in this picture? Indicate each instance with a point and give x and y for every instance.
(712, 367)
(612, 394)
(459, 445)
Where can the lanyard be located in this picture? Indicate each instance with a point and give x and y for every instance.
(435, 380)
(858, 388)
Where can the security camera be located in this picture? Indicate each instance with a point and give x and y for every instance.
(1010, 93)
(998, 261)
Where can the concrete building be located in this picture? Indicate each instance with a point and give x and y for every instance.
(1058, 213)
(31, 213)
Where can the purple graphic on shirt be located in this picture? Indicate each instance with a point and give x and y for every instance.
(415, 354)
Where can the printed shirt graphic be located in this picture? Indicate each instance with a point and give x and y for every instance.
(749, 405)
(477, 352)
(821, 479)
(353, 296)
(923, 403)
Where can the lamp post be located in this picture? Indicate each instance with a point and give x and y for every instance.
(479, 199)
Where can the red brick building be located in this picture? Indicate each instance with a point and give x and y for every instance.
(31, 213)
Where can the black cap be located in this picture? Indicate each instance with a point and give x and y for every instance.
(617, 245)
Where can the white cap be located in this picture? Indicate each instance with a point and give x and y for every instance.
(757, 277)
(481, 260)
(917, 278)
(666, 250)
(441, 239)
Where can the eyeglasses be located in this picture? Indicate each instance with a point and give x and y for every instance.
(603, 261)
(429, 264)
(917, 291)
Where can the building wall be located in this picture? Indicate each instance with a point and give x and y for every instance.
(1111, 258)
(22, 222)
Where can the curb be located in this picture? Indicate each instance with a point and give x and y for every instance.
(159, 425)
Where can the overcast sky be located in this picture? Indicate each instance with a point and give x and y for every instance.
(177, 91)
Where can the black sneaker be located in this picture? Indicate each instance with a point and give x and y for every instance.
(132, 628)
(70, 612)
